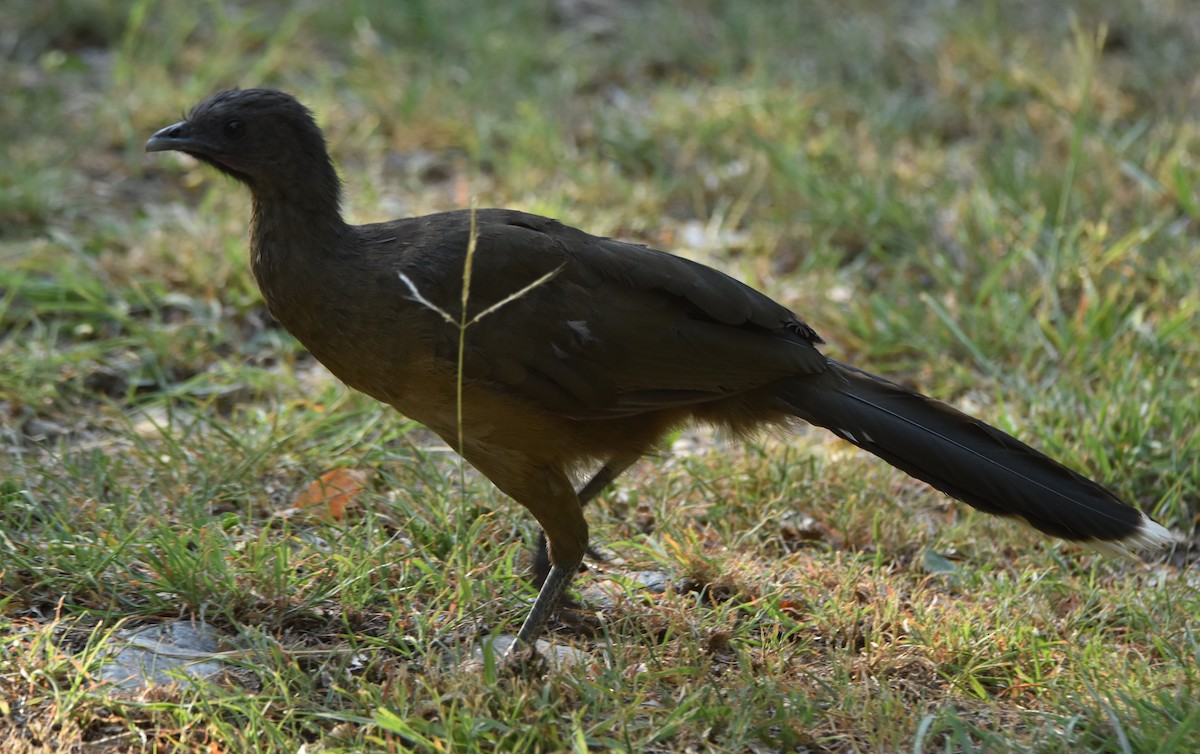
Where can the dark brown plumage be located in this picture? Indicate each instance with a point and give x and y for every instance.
(607, 346)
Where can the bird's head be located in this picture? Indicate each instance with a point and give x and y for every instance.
(262, 137)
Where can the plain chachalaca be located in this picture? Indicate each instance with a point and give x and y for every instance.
(580, 349)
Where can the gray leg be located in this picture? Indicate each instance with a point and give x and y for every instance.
(605, 476)
(547, 599)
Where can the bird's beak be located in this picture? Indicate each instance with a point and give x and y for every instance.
(174, 138)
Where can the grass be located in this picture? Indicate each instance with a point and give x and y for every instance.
(995, 201)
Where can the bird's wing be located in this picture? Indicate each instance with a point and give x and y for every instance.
(591, 327)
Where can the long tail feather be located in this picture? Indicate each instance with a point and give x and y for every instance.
(969, 460)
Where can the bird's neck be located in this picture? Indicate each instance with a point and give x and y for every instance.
(297, 219)
(297, 249)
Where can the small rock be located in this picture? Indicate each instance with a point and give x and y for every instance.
(500, 645)
(157, 655)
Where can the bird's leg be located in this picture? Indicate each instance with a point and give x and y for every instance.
(548, 598)
(546, 491)
(612, 468)
(559, 512)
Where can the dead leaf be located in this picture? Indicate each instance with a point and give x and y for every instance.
(332, 493)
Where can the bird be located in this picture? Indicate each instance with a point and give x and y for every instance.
(540, 352)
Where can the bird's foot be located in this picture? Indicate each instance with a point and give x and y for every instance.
(523, 660)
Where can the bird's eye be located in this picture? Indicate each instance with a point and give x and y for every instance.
(235, 129)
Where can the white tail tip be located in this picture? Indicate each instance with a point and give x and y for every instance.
(1149, 537)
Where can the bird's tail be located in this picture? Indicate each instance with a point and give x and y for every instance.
(969, 460)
